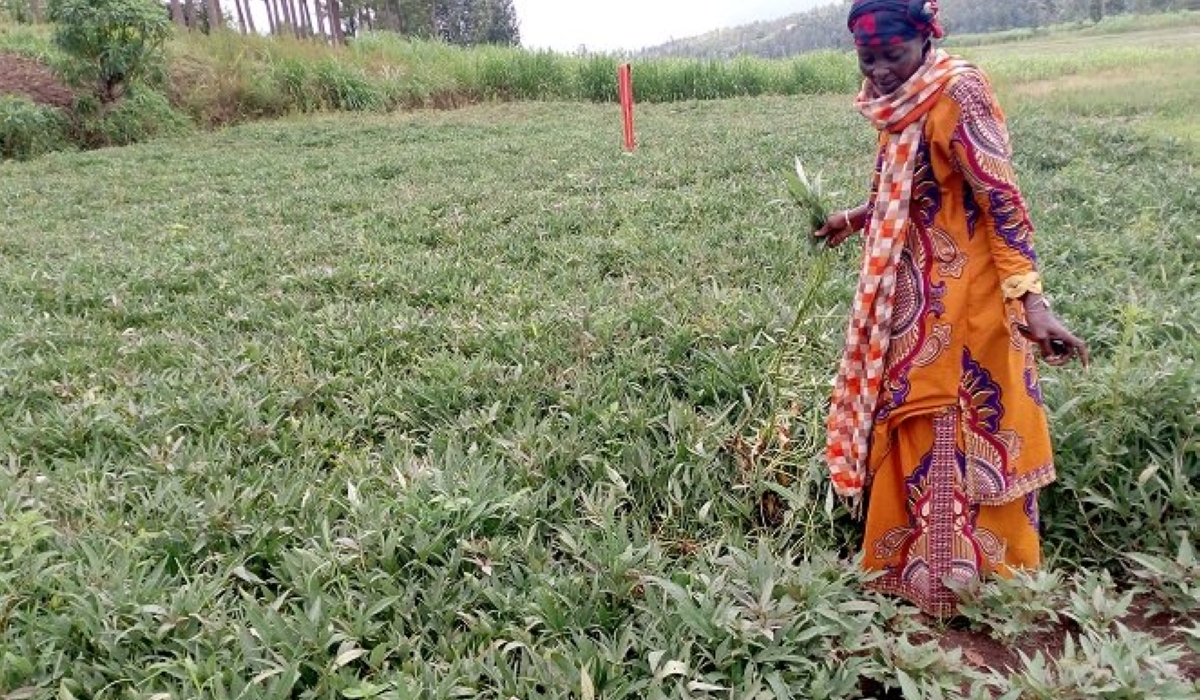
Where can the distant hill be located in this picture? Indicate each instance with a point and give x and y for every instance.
(821, 28)
(825, 27)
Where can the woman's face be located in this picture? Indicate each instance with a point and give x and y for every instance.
(888, 66)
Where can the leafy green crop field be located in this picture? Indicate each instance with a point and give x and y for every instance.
(437, 404)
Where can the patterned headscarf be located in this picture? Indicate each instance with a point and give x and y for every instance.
(880, 22)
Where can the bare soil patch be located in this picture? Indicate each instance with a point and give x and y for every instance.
(987, 654)
(20, 75)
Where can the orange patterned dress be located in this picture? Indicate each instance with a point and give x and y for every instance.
(960, 443)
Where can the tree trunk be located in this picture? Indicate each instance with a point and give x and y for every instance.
(250, 17)
(289, 12)
(306, 14)
(177, 14)
(215, 18)
(285, 20)
(241, 16)
(297, 20)
(335, 21)
(35, 11)
(319, 18)
(294, 18)
(276, 15)
(191, 17)
(312, 18)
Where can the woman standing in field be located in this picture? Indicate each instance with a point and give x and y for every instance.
(936, 413)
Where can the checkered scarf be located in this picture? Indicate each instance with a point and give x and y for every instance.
(901, 116)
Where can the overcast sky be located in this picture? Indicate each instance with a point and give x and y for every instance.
(609, 25)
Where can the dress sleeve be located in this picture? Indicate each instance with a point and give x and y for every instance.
(982, 152)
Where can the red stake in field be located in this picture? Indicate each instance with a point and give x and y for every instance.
(625, 90)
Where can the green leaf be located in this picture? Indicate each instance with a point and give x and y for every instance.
(908, 686)
(366, 690)
(1187, 555)
(586, 688)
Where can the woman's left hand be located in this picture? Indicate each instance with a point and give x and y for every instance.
(837, 228)
(1056, 344)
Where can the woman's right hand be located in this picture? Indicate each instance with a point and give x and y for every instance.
(1056, 344)
(837, 228)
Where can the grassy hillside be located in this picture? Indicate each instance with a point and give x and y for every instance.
(437, 404)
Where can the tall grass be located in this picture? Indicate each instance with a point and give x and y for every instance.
(384, 72)
(672, 80)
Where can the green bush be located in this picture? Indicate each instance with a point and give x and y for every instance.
(28, 129)
(112, 42)
(143, 115)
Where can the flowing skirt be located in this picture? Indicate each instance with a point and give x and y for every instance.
(923, 532)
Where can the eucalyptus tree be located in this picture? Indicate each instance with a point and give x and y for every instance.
(335, 21)
(215, 19)
(463, 22)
